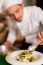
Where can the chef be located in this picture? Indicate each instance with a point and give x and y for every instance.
(27, 21)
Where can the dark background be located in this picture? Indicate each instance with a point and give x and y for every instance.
(39, 3)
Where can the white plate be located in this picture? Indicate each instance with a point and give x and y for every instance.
(11, 58)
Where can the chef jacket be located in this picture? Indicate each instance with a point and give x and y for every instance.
(30, 24)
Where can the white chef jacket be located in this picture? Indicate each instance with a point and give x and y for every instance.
(32, 17)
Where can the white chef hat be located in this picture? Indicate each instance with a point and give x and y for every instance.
(9, 3)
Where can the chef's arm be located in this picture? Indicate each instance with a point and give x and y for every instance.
(39, 15)
(39, 18)
(30, 39)
(11, 38)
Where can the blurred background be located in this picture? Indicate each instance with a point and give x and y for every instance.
(29, 2)
(38, 3)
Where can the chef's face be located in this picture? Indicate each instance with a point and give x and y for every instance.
(16, 12)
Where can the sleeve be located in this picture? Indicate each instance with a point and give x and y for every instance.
(31, 39)
(11, 36)
(39, 15)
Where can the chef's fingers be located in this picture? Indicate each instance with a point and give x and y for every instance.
(39, 36)
(41, 43)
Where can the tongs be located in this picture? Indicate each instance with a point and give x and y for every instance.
(34, 46)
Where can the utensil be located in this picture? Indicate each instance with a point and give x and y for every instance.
(33, 47)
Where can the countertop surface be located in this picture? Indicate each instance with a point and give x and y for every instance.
(2, 60)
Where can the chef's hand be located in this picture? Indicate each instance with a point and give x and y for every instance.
(40, 37)
(8, 44)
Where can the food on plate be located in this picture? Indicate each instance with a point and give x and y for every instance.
(27, 56)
